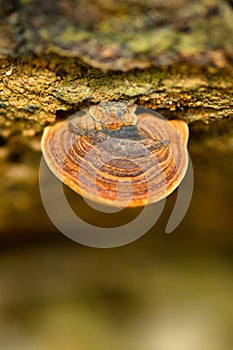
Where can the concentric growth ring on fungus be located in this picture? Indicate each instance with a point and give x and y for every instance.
(116, 153)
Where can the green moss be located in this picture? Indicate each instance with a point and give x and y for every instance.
(70, 34)
(157, 40)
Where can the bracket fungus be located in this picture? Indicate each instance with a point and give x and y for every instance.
(118, 154)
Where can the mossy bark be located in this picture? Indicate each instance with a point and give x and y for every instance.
(37, 91)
